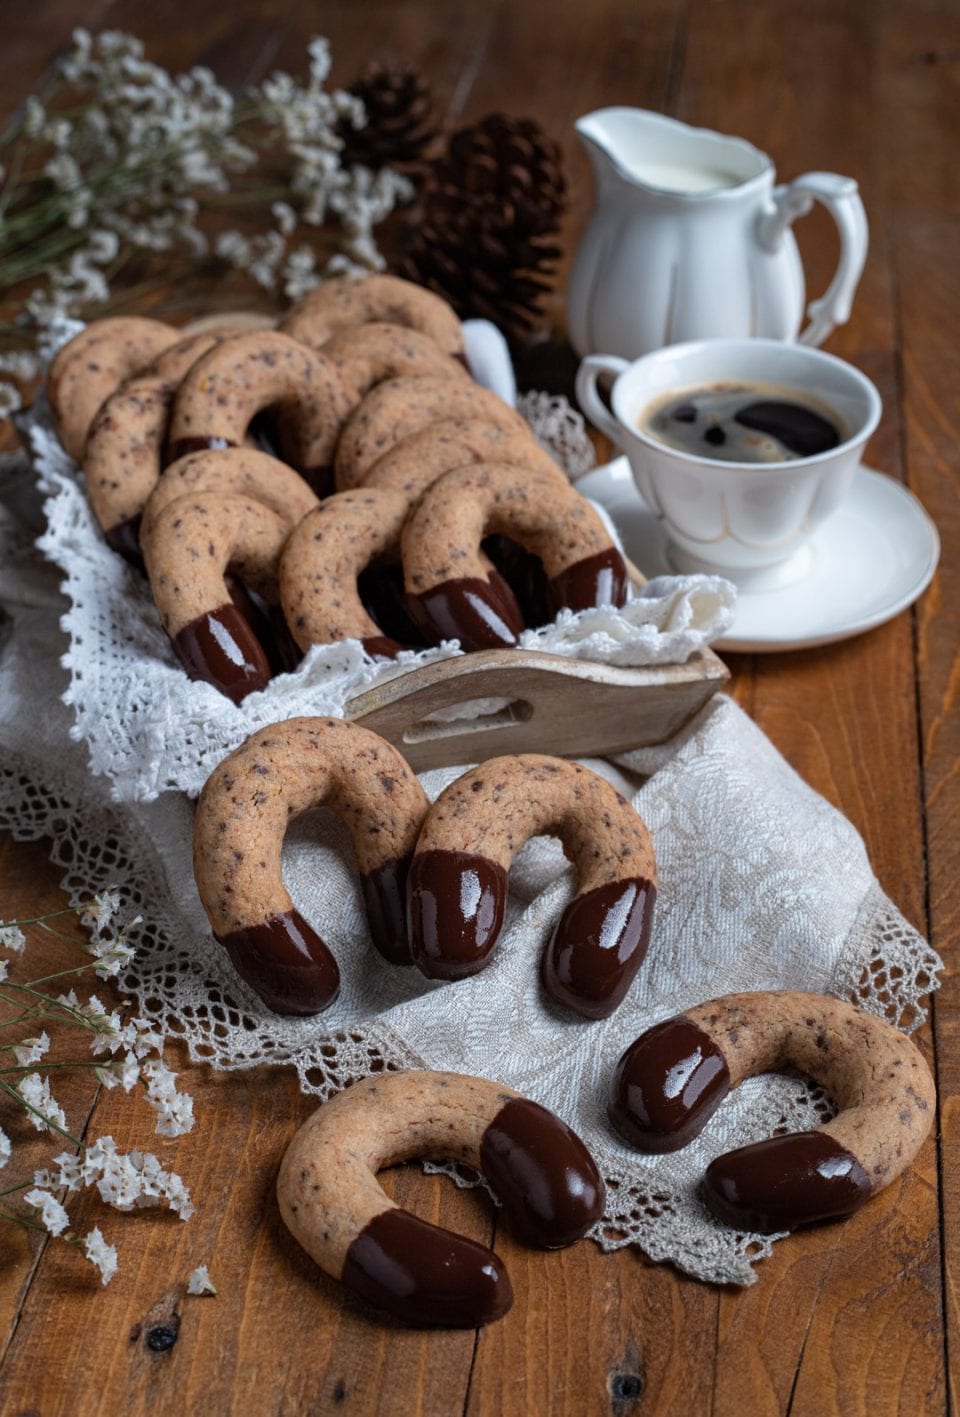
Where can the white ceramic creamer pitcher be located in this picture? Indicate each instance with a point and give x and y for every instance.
(691, 240)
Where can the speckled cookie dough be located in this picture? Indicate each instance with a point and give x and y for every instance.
(875, 1075)
(416, 462)
(174, 363)
(366, 355)
(123, 457)
(323, 559)
(423, 1275)
(88, 369)
(192, 544)
(240, 472)
(248, 373)
(443, 572)
(399, 407)
(458, 881)
(344, 301)
(242, 816)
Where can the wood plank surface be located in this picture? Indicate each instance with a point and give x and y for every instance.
(858, 1319)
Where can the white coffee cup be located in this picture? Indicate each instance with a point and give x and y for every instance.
(750, 521)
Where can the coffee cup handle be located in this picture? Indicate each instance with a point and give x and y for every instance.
(589, 398)
(841, 198)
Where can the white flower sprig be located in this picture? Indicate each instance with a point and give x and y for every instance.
(118, 161)
(126, 1053)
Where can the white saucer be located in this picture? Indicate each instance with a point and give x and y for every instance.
(872, 559)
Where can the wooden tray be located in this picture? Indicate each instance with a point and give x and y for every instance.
(540, 703)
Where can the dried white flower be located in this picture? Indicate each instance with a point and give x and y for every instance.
(31, 1050)
(69, 1174)
(21, 363)
(6, 1148)
(99, 1253)
(4, 966)
(175, 1116)
(12, 938)
(135, 1179)
(199, 1282)
(108, 1035)
(52, 1213)
(34, 117)
(285, 217)
(35, 1091)
(102, 909)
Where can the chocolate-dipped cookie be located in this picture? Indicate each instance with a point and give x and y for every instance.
(458, 880)
(242, 816)
(671, 1080)
(441, 543)
(193, 542)
(423, 1275)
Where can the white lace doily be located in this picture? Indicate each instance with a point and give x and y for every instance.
(762, 885)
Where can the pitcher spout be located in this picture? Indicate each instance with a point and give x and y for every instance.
(632, 148)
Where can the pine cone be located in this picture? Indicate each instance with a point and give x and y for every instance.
(490, 211)
(399, 125)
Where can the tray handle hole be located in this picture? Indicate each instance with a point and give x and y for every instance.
(471, 716)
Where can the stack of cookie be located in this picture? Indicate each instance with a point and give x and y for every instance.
(338, 477)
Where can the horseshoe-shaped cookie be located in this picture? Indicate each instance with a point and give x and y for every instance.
(332, 1203)
(672, 1079)
(458, 880)
(242, 817)
(249, 373)
(443, 573)
(88, 368)
(398, 407)
(124, 451)
(415, 463)
(325, 559)
(366, 355)
(344, 301)
(237, 472)
(193, 542)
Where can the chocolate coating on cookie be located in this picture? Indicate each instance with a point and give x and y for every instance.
(458, 880)
(249, 373)
(192, 544)
(443, 536)
(671, 1080)
(91, 366)
(326, 559)
(242, 817)
(331, 1201)
(399, 407)
(343, 302)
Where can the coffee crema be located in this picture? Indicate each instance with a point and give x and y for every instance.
(750, 423)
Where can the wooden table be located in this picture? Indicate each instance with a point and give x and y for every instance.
(853, 1319)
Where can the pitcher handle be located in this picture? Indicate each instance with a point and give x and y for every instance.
(589, 399)
(841, 198)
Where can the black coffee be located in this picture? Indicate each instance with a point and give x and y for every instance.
(743, 423)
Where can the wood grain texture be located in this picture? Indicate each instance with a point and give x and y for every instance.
(544, 708)
(855, 1319)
